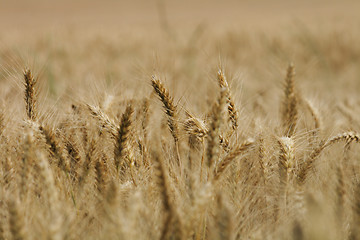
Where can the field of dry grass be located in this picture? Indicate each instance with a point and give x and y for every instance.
(179, 120)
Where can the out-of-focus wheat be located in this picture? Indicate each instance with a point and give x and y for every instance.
(97, 161)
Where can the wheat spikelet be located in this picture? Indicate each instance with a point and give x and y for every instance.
(224, 143)
(122, 135)
(290, 108)
(30, 95)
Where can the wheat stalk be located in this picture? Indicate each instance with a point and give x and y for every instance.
(27, 161)
(16, 220)
(315, 114)
(224, 219)
(340, 194)
(355, 226)
(161, 181)
(55, 226)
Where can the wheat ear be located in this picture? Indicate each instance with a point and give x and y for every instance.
(212, 150)
(171, 112)
(2, 121)
(30, 94)
(290, 102)
(104, 120)
(238, 151)
(145, 118)
(286, 158)
(55, 148)
(233, 113)
(122, 135)
(169, 106)
(101, 176)
(348, 137)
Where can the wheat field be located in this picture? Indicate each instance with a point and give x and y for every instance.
(193, 120)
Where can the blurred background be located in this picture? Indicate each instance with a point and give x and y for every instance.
(142, 14)
(115, 45)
